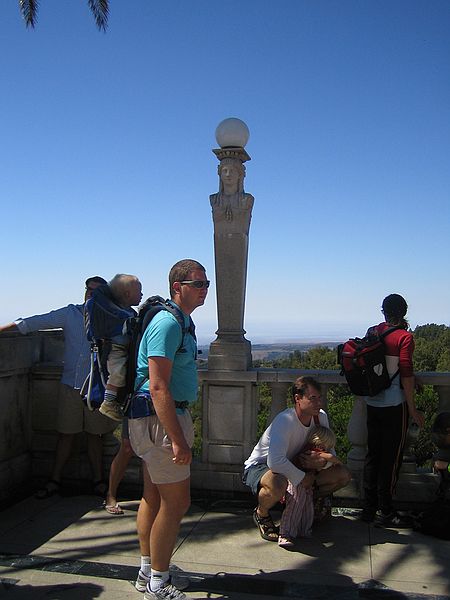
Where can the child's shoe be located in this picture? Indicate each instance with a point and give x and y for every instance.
(113, 410)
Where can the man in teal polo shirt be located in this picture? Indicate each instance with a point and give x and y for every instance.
(164, 440)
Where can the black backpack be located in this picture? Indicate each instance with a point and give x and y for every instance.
(136, 326)
(435, 520)
(363, 363)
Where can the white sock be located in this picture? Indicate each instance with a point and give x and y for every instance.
(159, 578)
(145, 565)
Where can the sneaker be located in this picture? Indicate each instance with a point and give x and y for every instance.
(392, 519)
(176, 576)
(285, 542)
(165, 592)
(111, 410)
(141, 581)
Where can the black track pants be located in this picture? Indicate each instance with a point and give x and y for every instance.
(386, 431)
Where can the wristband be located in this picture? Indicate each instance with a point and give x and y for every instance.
(448, 467)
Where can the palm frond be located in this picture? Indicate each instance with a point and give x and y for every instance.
(29, 9)
(100, 11)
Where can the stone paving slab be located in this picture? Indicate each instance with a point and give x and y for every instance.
(62, 544)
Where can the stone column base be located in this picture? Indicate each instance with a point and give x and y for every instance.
(225, 355)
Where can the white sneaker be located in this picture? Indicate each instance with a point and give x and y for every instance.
(179, 580)
(165, 592)
(111, 410)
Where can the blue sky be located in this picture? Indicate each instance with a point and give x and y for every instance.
(106, 162)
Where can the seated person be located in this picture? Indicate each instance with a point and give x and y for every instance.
(440, 435)
(298, 516)
(127, 292)
(270, 467)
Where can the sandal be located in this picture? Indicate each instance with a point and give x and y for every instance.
(51, 488)
(113, 509)
(100, 488)
(322, 508)
(266, 527)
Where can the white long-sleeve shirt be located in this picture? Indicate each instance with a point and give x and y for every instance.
(281, 442)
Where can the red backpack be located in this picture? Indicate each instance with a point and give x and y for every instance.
(363, 363)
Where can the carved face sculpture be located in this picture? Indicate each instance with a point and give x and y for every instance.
(229, 175)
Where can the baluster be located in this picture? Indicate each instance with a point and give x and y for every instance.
(279, 398)
(357, 435)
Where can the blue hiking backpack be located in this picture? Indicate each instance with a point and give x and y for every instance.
(104, 319)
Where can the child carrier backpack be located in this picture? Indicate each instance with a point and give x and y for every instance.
(103, 320)
(135, 327)
(105, 317)
(363, 363)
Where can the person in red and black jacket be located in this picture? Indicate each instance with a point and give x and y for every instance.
(387, 418)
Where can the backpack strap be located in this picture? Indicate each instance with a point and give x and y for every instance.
(160, 304)
(179, 316)
(382, 336)
(390, 330)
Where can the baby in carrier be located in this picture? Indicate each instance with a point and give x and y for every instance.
(298, 515)
(127, 292)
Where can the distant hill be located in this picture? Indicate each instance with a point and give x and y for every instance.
(275, 351)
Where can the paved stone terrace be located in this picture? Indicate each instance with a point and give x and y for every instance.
(65, 548)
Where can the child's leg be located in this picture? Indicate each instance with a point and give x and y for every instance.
(292, 513)
(307, 514)
(116, 364)
(117, 367)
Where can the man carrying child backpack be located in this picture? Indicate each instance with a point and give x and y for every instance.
(387, 417)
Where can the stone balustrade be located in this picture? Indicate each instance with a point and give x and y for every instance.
(30, 369)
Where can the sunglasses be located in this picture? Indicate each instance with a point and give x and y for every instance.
(198, 283)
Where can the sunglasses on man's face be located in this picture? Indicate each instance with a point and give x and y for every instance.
(197, 283)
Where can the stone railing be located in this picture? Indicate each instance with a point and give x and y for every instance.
(30, 369)
(229, 427)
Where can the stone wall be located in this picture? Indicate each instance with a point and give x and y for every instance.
(17, 356)
(30, 370)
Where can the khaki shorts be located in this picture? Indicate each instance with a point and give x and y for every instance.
(74, 416)
(150, 442)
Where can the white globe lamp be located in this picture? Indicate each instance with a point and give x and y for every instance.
(232, 133)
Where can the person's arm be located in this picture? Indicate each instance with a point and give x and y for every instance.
(409, 384)
(55, 319)
(160, 369)
(8, 327)
(308, 480)
(311, 461)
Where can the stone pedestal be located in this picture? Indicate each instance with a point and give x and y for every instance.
(226, 355)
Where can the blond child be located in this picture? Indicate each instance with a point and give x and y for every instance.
(127, 292)
(298, 515)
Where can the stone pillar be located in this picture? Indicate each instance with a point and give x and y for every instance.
(357, 435)
(444, 398)
(231, 211)
(279, 398)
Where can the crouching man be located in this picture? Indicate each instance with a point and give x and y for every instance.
(270, 466)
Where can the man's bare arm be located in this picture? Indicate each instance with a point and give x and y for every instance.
(160, 369)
